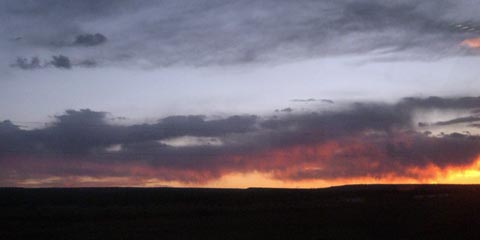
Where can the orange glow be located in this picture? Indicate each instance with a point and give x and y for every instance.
(431, 174)
(461, 175)
(428, 175)
(278, 172)
(472, 42)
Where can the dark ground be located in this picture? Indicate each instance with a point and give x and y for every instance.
(349, 212)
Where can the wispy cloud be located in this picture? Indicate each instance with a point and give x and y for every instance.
(237, 32)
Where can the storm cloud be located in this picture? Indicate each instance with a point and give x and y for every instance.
(362, 140)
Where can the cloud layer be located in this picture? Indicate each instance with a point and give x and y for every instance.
(234, 32)
(361, 140)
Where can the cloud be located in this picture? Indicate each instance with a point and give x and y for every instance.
(287, 110)
(58, 61)
(327, 101)
(87, 63)
(312, 100)
(8, 126)
(441, 103)
(468, 119)
(304, 100)
(80, 132)
(61, 61)
(363, 140)
(232, 32)
(89, 40)
(27, 64)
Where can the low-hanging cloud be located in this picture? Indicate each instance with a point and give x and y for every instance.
(365, 139)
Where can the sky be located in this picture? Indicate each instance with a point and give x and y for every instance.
(236, 94)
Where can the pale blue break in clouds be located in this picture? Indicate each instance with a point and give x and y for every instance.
(140, 94)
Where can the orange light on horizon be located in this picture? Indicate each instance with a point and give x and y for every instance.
(432, 174)
(148, 177)
(462, 175)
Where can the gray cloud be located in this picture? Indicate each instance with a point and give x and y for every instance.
(304, 100)
(61, 61)
(442, 103)
(58, 61)
(79, 132)
(312, 100)
(235, 32)
(87, 63)
(27, 64)
(366, 139)
(468, 119)
(287, 110)
(89, 40)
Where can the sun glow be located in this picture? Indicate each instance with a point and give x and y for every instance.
(148, 177)
(462, 175)
(472, 42)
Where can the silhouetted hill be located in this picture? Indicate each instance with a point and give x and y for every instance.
(343, 212)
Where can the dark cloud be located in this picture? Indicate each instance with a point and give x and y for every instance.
(366, 139)
(8, 126)
(61, 61)
(83, 131)
(458, 120)
(89, 40)
(442, 103)
(234, 32)
(380, 155)
(79, 40)
(27, 64)
(287, 110)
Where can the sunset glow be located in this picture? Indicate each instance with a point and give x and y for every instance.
(146, 177)
(472, 42)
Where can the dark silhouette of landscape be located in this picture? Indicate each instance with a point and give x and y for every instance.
(344, 212)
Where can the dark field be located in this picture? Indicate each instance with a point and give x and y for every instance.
(350, 212)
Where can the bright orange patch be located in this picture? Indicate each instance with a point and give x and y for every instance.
(472, 42)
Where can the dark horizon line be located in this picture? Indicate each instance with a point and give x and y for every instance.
(375, 185)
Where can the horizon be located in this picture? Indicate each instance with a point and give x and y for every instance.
(419, 185)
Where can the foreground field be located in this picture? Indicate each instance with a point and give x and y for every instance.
(349, 212)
